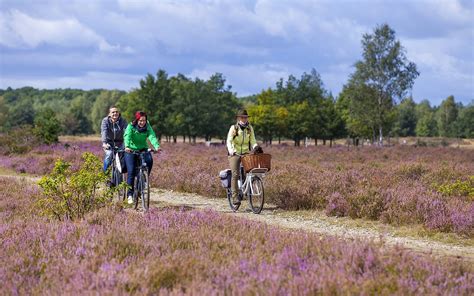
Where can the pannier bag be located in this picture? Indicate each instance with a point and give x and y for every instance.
(120, 162)
(226, 176)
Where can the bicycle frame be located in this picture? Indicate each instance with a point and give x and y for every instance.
(245, 186)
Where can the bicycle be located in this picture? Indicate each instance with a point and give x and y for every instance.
(118, 177)
(252, 188)
(141, 188)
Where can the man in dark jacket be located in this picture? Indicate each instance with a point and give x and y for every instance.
(112, 128)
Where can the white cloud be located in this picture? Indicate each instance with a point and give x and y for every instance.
(451, 11)
(90, 80)
(19, 30)
(248, 79)
(252, 42)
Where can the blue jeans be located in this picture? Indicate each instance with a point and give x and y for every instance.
(131, 163)
(109, 154)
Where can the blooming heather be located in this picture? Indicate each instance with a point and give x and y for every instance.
(431, 186)
(177, 251)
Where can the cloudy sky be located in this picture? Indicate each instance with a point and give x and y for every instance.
(113, 44)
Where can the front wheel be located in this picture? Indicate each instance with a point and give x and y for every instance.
(145, 190)
(256, 195)
(121, 191)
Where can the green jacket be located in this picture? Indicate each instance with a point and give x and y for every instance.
(135, 140)
(240, 141)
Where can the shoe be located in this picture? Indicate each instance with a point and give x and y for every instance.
(237, 203)
(130, 200)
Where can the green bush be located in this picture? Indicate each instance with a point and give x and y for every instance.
(47, 126)
(18, 140)
(458, 188)
(69, 194)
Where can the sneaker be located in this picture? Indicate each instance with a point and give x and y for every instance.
(130, 200)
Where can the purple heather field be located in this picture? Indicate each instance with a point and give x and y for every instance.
(400, 185)
(176, 251)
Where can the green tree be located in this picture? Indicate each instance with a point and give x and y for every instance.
(426, 123)
(332, 122)
(129, 103)
(76, 119)
(405, 125)
(359, 109)
(47, 126)
(385, 69)
(446, 117)
(21, 113)
(3, 114)
(466, 121)
(264, 115)
(299, 121)
(281, 122)
(155, 98)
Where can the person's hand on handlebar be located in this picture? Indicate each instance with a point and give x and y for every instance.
(257, 150)
(106, 146)
(155, 150)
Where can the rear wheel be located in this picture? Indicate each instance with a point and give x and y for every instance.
(256, 195)
(234, 207)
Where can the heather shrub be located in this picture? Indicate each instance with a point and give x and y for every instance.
(69, 194)
(337, 205)
(18, 141)
(401, 205)
(412, 171)
(366, 203)
(458, 188)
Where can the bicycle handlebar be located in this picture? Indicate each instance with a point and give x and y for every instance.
(143, 151)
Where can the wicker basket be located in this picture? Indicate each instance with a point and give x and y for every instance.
(252, 161)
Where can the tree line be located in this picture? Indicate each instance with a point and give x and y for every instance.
(372, 105)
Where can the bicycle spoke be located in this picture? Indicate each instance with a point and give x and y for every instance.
(256, 194)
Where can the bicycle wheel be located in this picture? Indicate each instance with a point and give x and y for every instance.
(256, 195)
(145, 190)
(233, 207)
(136, 192)
(121, 193)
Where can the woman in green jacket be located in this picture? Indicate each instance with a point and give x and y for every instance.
(240, 141)
(135, 139)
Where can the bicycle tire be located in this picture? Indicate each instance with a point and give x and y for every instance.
(233, 207)
(256, 200)
(117, 178)
(145, 190)
(136, 192)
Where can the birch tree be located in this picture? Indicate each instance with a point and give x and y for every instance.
(386, 70)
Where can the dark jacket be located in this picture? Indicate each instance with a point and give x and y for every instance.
(112, 132)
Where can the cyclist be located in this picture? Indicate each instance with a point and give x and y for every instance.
(135, 138)
(111, 131)
(240, 141)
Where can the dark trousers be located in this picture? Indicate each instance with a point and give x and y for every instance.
(131, 163)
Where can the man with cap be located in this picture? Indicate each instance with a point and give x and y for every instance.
(240, 141)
